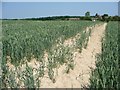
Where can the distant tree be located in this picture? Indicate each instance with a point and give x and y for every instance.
(105, 17)
(116, 18)
(96, 15)
(87, 14)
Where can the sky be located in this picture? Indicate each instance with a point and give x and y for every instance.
(43, 9)
(60, 0)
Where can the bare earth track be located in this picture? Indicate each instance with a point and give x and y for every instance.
(84, 61)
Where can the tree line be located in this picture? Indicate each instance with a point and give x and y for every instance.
(104, 17)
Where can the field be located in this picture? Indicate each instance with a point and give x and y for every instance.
(25, 38)
(107, 73)
(34, 50)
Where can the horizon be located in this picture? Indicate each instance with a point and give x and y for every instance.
(50, 16)
(21, 10)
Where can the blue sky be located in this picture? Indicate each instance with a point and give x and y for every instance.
(60, 0)
(41, 9)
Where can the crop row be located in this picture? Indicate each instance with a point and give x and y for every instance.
(107, 72)
(31, 39)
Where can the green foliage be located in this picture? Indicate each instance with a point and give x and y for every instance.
(31, 38)
(107, 72)
(24, 39)
(28, 77)
(17, 78)
(87, 14)
(83, 40)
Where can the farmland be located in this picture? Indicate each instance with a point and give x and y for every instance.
(107, 73)
(35, 49)
(24, 39)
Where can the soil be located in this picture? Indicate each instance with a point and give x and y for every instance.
(84, 63)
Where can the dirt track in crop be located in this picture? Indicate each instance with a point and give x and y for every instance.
(84, 63)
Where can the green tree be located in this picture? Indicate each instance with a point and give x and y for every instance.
(105, 17)
(96, 15)
(87, 14)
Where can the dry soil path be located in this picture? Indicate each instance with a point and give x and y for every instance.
(84, 61)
